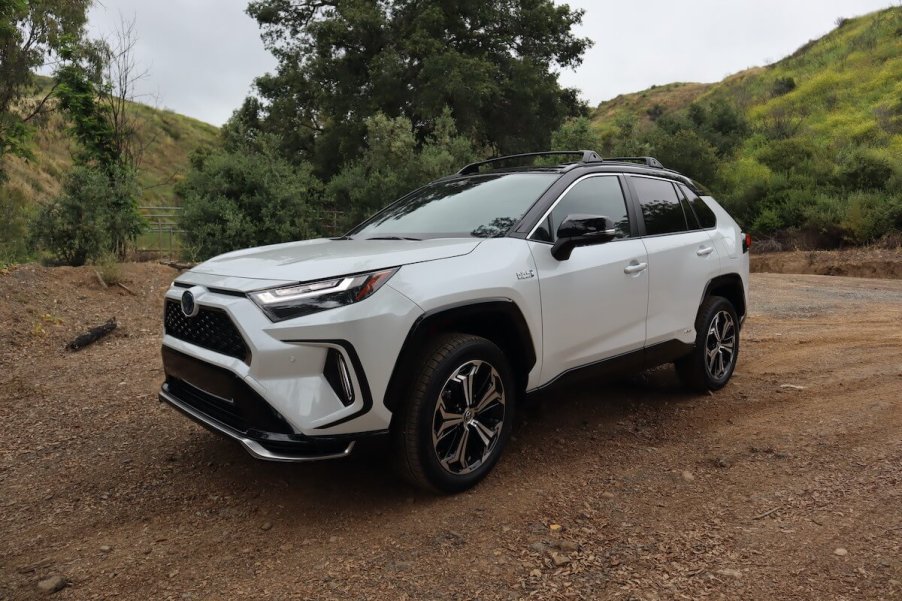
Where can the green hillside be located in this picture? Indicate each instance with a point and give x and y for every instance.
(169, 139)
(821, 148)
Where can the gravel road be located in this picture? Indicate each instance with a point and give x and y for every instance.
(786, 484)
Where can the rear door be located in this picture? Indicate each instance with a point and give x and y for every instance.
(682, 259)
(594, 303)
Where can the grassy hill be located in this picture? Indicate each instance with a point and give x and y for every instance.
(169, 138)
(822, 127)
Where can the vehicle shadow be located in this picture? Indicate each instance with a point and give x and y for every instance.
(367, 475)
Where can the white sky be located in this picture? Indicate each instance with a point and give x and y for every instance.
(203, 55)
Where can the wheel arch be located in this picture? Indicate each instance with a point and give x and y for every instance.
(499, 320)
(731, 287)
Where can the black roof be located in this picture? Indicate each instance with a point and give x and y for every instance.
(589, 160)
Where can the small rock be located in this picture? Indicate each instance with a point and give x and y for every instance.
(535, 573)
(607, 495)
(568, 546)
(840, 551)
(266, 526)
(559, 560)
(105, 548)
(792, 386)
(333, 539)
(555, 527)
(730, 572)
(52, 584)
(687, 476)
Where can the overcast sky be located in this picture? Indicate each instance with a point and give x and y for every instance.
(203, 55)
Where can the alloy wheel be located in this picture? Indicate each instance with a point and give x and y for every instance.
(720, 345)
(469, 415)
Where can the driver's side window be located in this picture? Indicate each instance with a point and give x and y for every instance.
(599, 195)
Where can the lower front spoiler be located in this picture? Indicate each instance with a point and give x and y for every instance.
(295, 451)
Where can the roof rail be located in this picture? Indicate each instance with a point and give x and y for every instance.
(647, 161)
(588, 156)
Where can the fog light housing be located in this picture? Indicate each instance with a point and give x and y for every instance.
(338, 375)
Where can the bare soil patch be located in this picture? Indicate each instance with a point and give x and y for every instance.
(856, 262)
(786, 484)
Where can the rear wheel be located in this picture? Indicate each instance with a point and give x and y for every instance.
(713, 360)
(457, 416)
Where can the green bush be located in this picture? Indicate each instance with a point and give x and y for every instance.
(863, 170)
(577, 134)
(14, 207)
(96, 214)
(872, 215)
(393, 164)
(247, 195)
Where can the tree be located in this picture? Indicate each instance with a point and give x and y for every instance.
(577, 134)
(393, 164)
(492, 62)
(97, 213)
(247, 195)
(31, 33)
(88, 220)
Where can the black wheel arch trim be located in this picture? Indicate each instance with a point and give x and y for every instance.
(728, 279)
(457, 310)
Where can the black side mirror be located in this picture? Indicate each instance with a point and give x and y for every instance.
(582, 230)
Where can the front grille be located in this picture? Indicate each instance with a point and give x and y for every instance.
(210, 328)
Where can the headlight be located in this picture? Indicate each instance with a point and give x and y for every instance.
(297, 300)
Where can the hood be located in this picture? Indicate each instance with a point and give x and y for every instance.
(268, 266)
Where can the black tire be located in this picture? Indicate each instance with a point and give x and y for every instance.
(421, 437)
(695, 370)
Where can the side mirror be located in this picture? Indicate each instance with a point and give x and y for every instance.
(582, 230)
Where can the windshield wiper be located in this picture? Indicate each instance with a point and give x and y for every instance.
(393, 238)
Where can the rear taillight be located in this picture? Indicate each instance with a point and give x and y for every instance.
(746, 243)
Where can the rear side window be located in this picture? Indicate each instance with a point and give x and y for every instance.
(701, 209)
(661, 206)
(601, 195)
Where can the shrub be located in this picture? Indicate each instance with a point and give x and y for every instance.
(783, 85)
(95, 214)
(577, 134)
(872, 215)
(393, 165)
(109, 268)
(861, 170)
(13, 225)
(247, 195)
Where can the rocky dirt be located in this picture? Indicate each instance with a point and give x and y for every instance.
(785, 485)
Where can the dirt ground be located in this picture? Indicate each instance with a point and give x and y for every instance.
(866, 262)
(787, 484)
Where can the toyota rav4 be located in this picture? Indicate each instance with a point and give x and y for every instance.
(432, 319)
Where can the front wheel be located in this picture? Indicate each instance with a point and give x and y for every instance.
(713, 360)
(457, 416)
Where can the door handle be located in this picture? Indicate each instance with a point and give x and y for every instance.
(635, 268)
(704, 251)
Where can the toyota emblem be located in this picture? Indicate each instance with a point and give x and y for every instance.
(189, 306)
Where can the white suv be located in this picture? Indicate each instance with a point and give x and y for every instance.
(430, 321)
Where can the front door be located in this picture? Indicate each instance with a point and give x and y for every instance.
(594, 304)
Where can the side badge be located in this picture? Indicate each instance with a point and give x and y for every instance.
(525, 275)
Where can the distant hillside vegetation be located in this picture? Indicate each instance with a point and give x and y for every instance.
(819, 149)
(169, 137)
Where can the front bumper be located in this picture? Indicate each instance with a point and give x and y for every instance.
(286, 365)
(269, 446)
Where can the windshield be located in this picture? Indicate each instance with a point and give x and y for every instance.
(483, 206)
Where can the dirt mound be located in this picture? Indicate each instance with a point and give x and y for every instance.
(858, 263)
